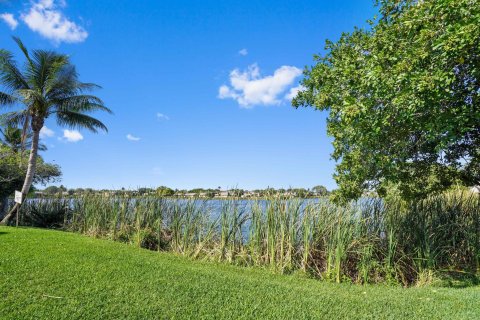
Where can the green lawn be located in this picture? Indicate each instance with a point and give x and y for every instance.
(48, 274)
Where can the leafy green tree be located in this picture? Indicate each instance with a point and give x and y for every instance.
(163, 191)
(320, 190)
(196, 190)
(46, 86)
(52, 190)
(403, 99)
(79, 191)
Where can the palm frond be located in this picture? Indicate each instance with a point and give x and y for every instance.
(10, 75)
(23, 49)
(85, 86)
(7, 99)
(29, 96)
(14, 138)
(63, 84)
(37, 73)
(51, 68)
(14, 119)
(5, 55)
(11, 134)
(82, 103)
(30, 65)
(78, 120)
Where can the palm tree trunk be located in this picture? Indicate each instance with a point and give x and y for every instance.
(32, 166)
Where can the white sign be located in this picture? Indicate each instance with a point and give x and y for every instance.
(18, 197)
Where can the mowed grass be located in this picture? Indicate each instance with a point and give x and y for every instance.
(47, 274)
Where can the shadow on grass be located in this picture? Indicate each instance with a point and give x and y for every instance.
(458, 279)
(3, 232)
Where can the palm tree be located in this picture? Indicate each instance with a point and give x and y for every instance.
(46, 86)
(14, 139)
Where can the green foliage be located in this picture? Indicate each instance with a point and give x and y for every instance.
(9, 176)
(320, 190)
(12, 172)
(48, 274)
(403, 98)
(163, 191)
(52, 190)
(13, 138)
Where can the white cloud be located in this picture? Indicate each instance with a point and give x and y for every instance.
(72, 135)
(293, 92)
(243, 52)
(248, 88)
(162, 116)
(132, 138)
(45, 18)
(46, 132)
(10, 20)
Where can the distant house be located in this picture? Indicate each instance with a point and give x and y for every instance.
(475, 189)
(190, 195)
(223, 194)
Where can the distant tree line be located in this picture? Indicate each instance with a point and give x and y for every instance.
(164, 191)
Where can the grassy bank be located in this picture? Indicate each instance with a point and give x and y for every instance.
(47, 274)
(371, 241)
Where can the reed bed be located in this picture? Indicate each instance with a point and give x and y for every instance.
(368, 241)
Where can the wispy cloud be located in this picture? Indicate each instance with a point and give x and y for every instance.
(132, 138)
(72, 135)
(46, 18)
(10, 20)
(249, 88)
(162, 116)
(243, 52)
(46, 132)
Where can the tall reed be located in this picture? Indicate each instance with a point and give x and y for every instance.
(371, 240)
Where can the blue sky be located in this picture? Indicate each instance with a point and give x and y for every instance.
(200, 89)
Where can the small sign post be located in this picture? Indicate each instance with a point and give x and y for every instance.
(18, 199)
